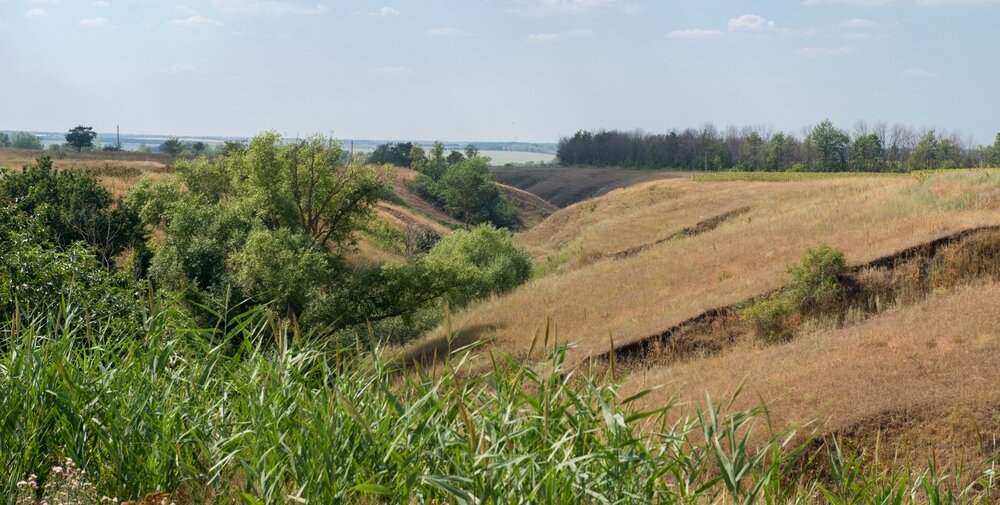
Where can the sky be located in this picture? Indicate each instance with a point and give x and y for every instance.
(495, 70)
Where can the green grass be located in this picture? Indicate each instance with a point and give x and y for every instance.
(253, 415)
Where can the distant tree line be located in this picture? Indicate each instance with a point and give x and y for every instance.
(874, 147)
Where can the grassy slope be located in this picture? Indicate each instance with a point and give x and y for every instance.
(670, 282)
(564, 186)
(922, 377)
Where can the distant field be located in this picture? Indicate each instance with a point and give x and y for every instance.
(562, 186)
(505, 157)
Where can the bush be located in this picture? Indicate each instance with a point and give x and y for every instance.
(37, 275)
(816, 280)
(484, 259)
(815, 288)
(770, 318)
(73, 206)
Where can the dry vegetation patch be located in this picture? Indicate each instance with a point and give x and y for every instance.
(922, 379)
(866, 217)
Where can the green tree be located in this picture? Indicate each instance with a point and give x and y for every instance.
(454, 157)
(269, 222)
(173, 146)
(436, 162)
(199, 148)
(780, 152)
(471, 151)
(867, 153)
(81, 137)
(4, 140)
(993, 154)
(925, 154)
(470, 194)
(831, 147)
(752, 154)
(418, 158)
(24, 140)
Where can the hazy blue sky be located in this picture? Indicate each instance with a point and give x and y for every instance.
(529, 70)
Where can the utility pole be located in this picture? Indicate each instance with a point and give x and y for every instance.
(118, 134)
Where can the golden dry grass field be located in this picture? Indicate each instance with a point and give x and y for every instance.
(921, 378)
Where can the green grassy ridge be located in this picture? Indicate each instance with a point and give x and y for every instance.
(251, 415)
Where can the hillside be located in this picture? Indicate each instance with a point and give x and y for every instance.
(562, 186)
(665, 277)
(642, 260)
(921, 378)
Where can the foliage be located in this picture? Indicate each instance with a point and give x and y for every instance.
(4, 140)
(467, 191)
(24, 140)
(35, 274)
(815, 287)
(81, 137)
(269, 224)
(393, 154)
(878, 147)
(485, 260)
(770, 318)
(172, 411)
(172, 146)
(73, 206)
(830, 146)
(816, 280)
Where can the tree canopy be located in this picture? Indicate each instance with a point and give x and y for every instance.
(81, 137)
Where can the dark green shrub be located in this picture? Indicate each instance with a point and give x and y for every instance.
(73, 206)
(484, 260)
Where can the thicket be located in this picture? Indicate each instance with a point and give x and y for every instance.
(823, 148)
(263, 224)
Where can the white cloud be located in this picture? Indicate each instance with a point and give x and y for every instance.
(100, 3)
(816, 52)
(537, 8)
(544, 37)
(390, 70)
(918, 73)
(94, 22)
(184, 10)
(859, 24)
(857, 36)
(178, 68)
(387, 11)
(694, 33)
(37, 12)
(192, 17)
(751, 23)
(267, 7)
(448, 32)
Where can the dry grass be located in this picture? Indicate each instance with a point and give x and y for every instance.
(921, 378)
(866, 217)
(118, 171)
